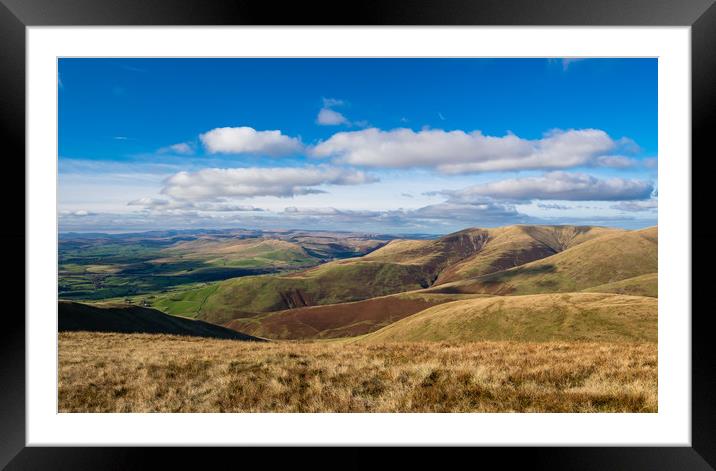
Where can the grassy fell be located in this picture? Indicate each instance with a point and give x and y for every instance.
(335, 282)
(608, 258)
(644, 285)
(512, 246)
(544, 317)
(160, 373)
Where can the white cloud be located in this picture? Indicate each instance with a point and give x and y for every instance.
(483, 212)
(149, 202)
(329, 117)
(559, 186)
(213, 183)
(614, 161)
(331, 102)
(246, 140)
(457, 152)
(180, 148)
(651, 162)
(160, 205)
(78, 213)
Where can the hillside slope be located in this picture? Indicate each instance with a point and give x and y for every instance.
(511, 246)
(74, 316)
(644, 285)
(541, 317)
(340, 320)
(611, 257)
(413, 266)
(398, 266)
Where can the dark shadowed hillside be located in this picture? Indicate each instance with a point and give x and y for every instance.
(74, 316)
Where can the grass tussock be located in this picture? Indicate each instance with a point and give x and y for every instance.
(161, 373)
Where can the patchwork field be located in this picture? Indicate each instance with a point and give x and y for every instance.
(140, 266)
(161, 373)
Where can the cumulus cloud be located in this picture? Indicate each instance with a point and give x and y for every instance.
(614, 161)
(651, 162)
(214, 183)
(329, 117)
(181, 148)
(485, 212)
(428, 218)
(461, 152)
(559, 186)
(246, 140)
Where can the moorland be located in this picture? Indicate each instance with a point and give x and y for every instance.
(515, 318)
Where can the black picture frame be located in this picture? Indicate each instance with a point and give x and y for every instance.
(16, 15)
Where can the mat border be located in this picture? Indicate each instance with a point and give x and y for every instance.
(16, 15)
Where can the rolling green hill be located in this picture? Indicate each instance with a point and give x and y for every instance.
(332, 283)
(548, 259)
(540, 317)
(397, 267)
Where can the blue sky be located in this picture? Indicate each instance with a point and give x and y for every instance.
(380, 145)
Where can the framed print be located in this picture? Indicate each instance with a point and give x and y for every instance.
(425, 226)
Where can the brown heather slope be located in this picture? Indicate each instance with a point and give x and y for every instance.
(160, 373)
(611, 257)
(77, 317)
(340, 320)
(532, 318)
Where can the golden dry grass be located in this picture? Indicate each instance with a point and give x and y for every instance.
(595, 317)
(143, 373)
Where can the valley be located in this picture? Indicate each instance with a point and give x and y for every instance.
(318, 302)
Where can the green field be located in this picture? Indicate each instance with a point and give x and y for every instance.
(111, 267)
